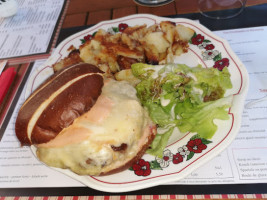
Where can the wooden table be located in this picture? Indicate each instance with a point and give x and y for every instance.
(81, 12)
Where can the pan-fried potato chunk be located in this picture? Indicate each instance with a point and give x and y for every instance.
(184, 33)
(155, 46)
(72, 58)
(112, 53)
(97, 54)
(127, 75)
(168, 28)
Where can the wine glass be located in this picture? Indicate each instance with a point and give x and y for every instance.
(221, 9)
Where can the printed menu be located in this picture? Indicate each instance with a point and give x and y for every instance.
(30, 31)
(244, 161)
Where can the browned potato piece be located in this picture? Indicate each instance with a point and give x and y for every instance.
(155, 44)
(127, 75)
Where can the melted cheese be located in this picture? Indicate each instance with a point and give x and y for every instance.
(86, 146)
(100, 111)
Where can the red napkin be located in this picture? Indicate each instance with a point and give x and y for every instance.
(6, 79)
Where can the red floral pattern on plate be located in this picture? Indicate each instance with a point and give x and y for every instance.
(142, 168)
(220, 64)
(194, 146)
(209, 52)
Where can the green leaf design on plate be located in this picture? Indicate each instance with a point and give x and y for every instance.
(115, 29)
(194, 137)
(191, 154)
(205, 141)
(94, 33)
(155, 165)
(218, 57)
(82, 41)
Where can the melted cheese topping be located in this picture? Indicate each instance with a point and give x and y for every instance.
(87, 146)
(100, 111)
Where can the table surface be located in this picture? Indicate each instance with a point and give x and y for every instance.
(80, 15)
(81, 12)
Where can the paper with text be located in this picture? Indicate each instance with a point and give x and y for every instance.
(30, 31)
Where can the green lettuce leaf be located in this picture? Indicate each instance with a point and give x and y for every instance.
(160, 142)
(200, 119)
(180, 96)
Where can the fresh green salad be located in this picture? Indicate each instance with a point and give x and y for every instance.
(178, 96)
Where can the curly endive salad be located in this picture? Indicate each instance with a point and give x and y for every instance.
(178, 96)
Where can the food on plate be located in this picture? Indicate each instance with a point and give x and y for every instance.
(178, 96)
(73, 58)
(85, 122)
(113, 52)
(88, 119)
(57, 102)
(113, 135)
(127, 75)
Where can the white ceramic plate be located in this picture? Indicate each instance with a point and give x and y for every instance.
(179, 158)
